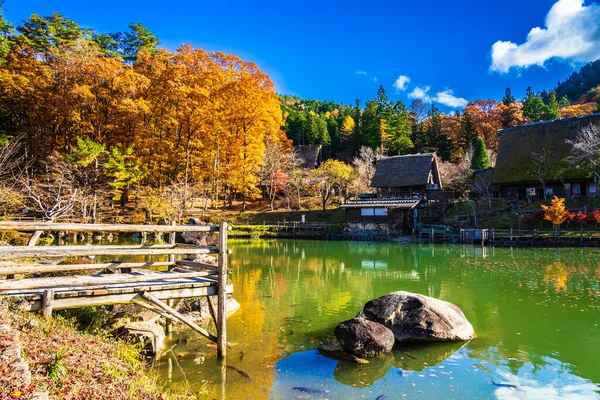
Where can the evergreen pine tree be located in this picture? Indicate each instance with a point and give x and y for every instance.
(357, 142)
(508, 97)
(553, 105)
(480, 159)
(467, 131)
(435, 136)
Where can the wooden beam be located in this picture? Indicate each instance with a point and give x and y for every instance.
(212, 309)
(47, 300)
(73, 227)
(40, 269)
(7, 252)
(133, 296)
(164, 307)
(163, 314)
(196, 264)
(97, 280)
(222, 293)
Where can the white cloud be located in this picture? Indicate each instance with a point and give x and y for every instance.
(572, 33)
(448, 98)
(361, 72)
(401, 82)
(421, 94)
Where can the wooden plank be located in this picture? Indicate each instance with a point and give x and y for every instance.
(124, 298)
(96, 280)
(40, 269)
(47, 300)
(164, 307)
(8, 252)
(196, 264)
(222, 293)
(172, 236)
(81, 291)
(73, 227)
(106, 247)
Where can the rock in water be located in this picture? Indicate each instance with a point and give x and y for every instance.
(364, 338)
(150, 334)
(336, 353)
(413, 316)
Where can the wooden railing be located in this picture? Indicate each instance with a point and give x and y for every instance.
(184, 278)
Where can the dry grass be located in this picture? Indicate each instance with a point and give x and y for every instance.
(70, 364)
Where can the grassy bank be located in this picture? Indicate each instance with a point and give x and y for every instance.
(71, 364)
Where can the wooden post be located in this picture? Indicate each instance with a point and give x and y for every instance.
(47, 299)
(169, 321)
(222, 293)
(172, 241)
(511, 234)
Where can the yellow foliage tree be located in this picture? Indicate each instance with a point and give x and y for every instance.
(348, 126)
(555, 212)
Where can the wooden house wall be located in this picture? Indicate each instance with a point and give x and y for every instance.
(397, 218)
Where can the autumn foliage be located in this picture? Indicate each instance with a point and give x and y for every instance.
(187, 114)
(555, 212)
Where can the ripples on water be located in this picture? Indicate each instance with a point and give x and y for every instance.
(536, 313)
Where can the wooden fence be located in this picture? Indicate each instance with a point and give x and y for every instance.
(159, 291)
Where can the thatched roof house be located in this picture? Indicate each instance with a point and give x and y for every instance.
(400, 175)
(309, 155)
(516, 171)
(402, 182)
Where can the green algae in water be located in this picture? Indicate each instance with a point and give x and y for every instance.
(536, 313)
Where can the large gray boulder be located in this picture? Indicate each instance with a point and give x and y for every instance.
(364, 338)
(412, 316)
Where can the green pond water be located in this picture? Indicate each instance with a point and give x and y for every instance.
(536, 313)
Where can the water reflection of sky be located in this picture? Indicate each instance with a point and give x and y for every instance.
(457, 377)
(535, 312)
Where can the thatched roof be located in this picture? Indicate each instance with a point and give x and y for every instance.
(406, 171)
(308, 154)
(514, 163)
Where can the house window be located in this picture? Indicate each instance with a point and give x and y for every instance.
(549, 191)
(381, 212)
(366, 212)
(592, 190)
(531, 192)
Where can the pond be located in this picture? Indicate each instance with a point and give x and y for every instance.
(536, 313)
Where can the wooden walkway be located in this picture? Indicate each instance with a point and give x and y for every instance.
(158, 291)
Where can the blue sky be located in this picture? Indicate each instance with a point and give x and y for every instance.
(451, 51)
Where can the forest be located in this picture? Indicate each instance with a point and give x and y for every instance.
(91, 121)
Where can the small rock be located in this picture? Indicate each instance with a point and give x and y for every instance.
(364, 338)
(336, 353)
(151, 334)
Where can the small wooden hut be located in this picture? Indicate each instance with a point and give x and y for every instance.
(402, 182)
